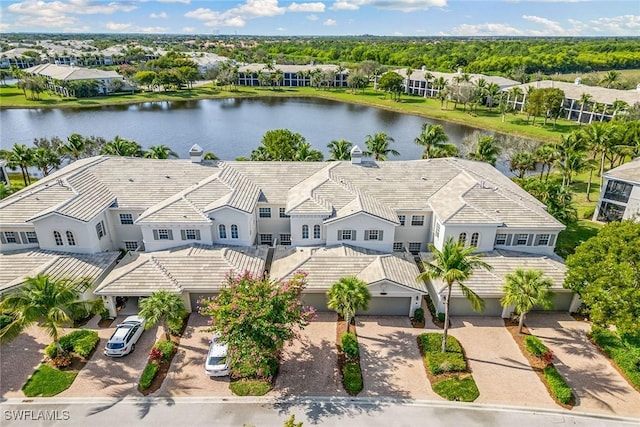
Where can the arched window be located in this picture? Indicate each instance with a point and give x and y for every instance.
(222, 231)
(58, 238)
(234, 231)
(474, 239)
(70, 239)
(316, 231)
(462, 239)
(305, 231)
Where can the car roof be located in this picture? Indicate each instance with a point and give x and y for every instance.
(132, 319)
(120, 333)
(217, 349)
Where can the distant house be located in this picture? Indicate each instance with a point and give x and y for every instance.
(56, 75)
(292, 75)
(620, 194)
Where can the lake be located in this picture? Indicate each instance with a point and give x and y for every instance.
(227, 127)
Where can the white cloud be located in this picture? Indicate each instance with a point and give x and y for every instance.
(161, 15)
(550, 27)
(401, 5)
(151, 30)
(281, 29)
(79, 7)
(312, 17)
(189, 30)
(306, 7)
(174, 1)
(132, 28)
(487, 29)
(624, 25)
(114, 26)
(330, 23)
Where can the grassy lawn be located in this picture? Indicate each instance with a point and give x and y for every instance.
(47, 381)
(250, 387)
(459, 389)
(624, 352)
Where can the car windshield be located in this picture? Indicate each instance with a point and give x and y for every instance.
(115, 345)
(216, 360)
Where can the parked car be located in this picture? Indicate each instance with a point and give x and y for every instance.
(124, 339)
(216, 364)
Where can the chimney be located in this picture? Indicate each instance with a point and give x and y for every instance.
(577, 81)
(356, 155)
(195, 154)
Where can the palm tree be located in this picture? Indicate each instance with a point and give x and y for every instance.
(521, 163)
(610, 78)
(5, 190)
(340, 150)
(378, 146)
(514, 93)
(160, 152)
(454, 264)
(546, 155)
(427, 77)
(598, 138)
(617, 106)
(52, 304)
(210, 156)
(347, 296)
(305, 153)
(165, 308)
(493, 92)
(487, 150)
(585, 99)
(409, 72)
(21, 157)
(75, 146)
(46, 160)
(525, 289)
(122, 147)
(433, 138)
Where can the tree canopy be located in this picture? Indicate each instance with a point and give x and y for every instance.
(285, 145)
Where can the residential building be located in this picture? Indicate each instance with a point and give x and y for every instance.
(293, 75)
(620, 195)
(57, 74)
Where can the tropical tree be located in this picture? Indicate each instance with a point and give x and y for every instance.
(340, 150)
(378, 146)
(408, 72)
(557, 198)
(486, 150)
(160, 152)
(357, 80)
(347, 296)
(21, 157)
(49, 303)
(122, 147)
(525, 289)
(453, 265)
(46, 160)
(305, 153)
(391, 82)
(163, 307)
(433, 138)
(598, 137)
(210, 156)
(585, 99)
(610, 78)
(522, 162)
(546, 155)
(75, 147)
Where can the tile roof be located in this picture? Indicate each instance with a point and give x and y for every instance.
(67, 72)
(418, 75)
(16, 266)
(628, 172)
(287, 68)
(598, 94)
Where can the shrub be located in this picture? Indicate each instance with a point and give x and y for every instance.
(148, 375)
(250, 387)
(535, 346)
(155, 355)
(81, 342)
(104, 314)
(51, 351)
(441, 317)
(5, 319)
(166, 348)
(349, 343)
(418, 315)
(439, 362)
(559, 388)
(463, 390)
(176, 327)
(625, 352)
(352, 378)
(588, 213)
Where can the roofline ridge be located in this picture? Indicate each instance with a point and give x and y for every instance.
(164, 271)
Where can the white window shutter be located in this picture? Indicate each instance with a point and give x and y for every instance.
(183, 234)
(155, 235)
(366, 234)
(197, 234)
(339, 235)
(2, 239)
(170, 234)
(552, 239)
(509, 237)
(23, 236)
(353, 234)
(380, 234)
(530, 240)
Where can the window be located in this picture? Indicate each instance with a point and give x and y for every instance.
(100, 230)
(265, 212)
(501, 239)
(398, 247)
(474, 239)
(58, 238)
(222, 231)
(131, 246)
(234, 231)
(437, 231)
(618, 191)
(462, 238)
(283, 214)
(11, 236)
(190, 234)
(285, 239)
(417, 220)
(402, 219)
(316, 231)
(521, 239)
(71, 240)
(542, 240)
(305, 231)
(266, 239)
(346, 234)
(373, 235)
(414, 247)
(163, 234)
(31, 237)
(610, 212)
(126, 219)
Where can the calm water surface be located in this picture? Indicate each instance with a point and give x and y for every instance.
(227, 127)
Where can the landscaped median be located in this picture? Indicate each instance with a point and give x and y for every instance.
(448, 371)
(160, 359)
(349, 361)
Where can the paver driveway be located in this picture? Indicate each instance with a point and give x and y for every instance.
(309, 364)
(597, 385)
(390, 359)
(502, 373)
(186, 376)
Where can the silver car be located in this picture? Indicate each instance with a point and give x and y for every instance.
(124, 339)
(217, 364)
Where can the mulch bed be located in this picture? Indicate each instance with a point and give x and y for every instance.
(536, 363)
(105, 323)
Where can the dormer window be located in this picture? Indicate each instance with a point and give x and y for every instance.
(71, 240)
(58, 238)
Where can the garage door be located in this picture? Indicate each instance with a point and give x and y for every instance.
(195, 297)
(462, 307)
(388, 306)
(561, 301)
(317, 301)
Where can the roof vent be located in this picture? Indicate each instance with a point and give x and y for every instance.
(424, 178)
(378, 178)
(195, 153)
(130, 179)
(356, 155)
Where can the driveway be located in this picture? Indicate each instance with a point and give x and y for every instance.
(390, 359)
(186, 376)
(502, 373)
(596, 383)
(106, 376)
(309, 364)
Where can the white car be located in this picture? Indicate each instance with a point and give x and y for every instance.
(124, 339)
(217, 364)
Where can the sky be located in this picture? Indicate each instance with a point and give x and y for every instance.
(326, 17)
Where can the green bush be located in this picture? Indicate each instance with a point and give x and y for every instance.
(349, 344)
(439, 363)
(352, 378)
(250, 387)
(463, 390)
(149, 373)
(176, 327)
(418, 315)
(624, 351)
(588, 213)
(81, 342)
(5, 319)
(104, 314)
(166, 348)
(535, 346)
(51, 351)
(559, 388)
(441, 317)
(433, 341)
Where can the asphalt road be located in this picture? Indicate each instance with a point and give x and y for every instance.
(259, 412)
